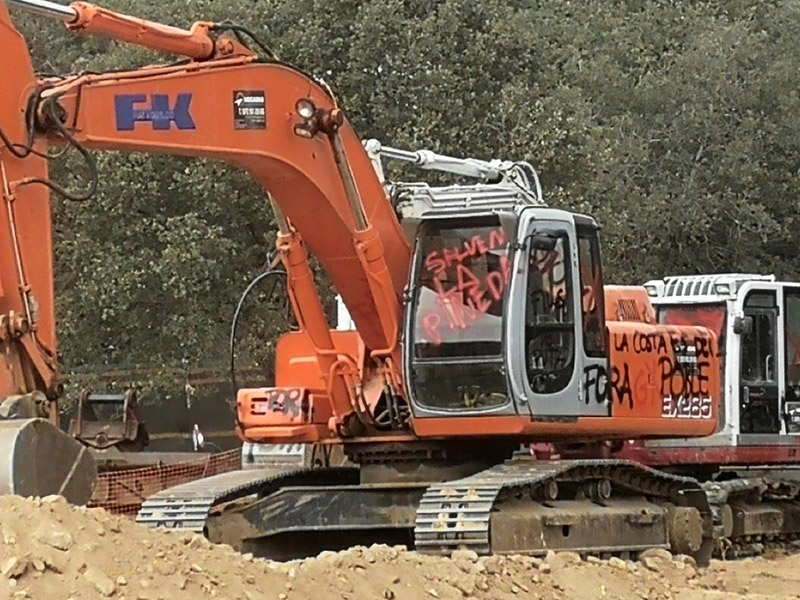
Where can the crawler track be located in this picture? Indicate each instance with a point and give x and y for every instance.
(531, 506)
(522, 505)
(188, 506)
(755, 514)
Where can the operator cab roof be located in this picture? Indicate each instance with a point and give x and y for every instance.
(698, 289)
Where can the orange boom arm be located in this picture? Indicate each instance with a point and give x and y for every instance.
(246, 113)
(191, 111)
(27, 330)
(284, 129)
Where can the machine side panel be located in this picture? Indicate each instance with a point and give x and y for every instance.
(664, 372)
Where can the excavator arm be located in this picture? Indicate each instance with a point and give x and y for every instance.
(27, 334)
(282, 127)
(193, 111)
(86, 18)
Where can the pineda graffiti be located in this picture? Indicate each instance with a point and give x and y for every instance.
(468, 283)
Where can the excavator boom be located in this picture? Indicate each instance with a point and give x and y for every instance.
(26, 297)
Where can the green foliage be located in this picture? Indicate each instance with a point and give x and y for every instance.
(672, 122)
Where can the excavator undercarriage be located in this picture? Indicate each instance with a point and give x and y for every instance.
(519, 505)
(755, 514)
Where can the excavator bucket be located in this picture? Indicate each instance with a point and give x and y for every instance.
(105, 421)
(39, 460)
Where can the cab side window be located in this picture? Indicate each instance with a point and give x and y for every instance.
(758, 346)
(792, 345)
(549, 319)
(594, 330)
(758, 410)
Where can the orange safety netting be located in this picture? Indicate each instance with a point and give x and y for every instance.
(122, 492)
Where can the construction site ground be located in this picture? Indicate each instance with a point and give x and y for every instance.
(54, 551)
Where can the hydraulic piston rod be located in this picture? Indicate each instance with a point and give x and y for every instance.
(46, 9)
(86, 18)
(466, 167)
(425, 159)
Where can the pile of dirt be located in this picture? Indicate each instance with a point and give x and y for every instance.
(54, 551)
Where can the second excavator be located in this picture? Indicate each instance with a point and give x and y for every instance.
(479, 312)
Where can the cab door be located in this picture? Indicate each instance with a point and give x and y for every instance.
(759, 406)
(546, 354)
(790, 406)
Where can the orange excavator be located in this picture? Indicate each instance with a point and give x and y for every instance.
(481, 323)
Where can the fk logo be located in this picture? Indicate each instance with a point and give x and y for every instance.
(132, 108)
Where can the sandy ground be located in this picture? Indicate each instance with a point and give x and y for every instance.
(53, 551)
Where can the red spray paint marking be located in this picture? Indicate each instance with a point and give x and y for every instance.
(439, 260)
(471, 296)
(590, 282)
(545, 261)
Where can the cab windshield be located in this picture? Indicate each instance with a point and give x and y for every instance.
(462, 273)
(710, 316)
(460, 289)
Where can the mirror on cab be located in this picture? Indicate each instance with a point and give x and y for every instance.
(743, 325)
(544, 240)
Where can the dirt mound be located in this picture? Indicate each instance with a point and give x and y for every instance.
(53, 551)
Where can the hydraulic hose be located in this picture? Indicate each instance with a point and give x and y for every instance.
(232, 348)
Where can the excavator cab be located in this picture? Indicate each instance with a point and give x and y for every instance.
(506, 313)
(506, 324)
(504, 310)
(757, 320)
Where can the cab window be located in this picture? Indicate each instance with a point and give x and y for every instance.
(594, 331)
(792, 345)
(549, 319)
(758, 346)
(462, 273)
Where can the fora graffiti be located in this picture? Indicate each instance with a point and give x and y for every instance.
(597, 385)
(672, 371)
